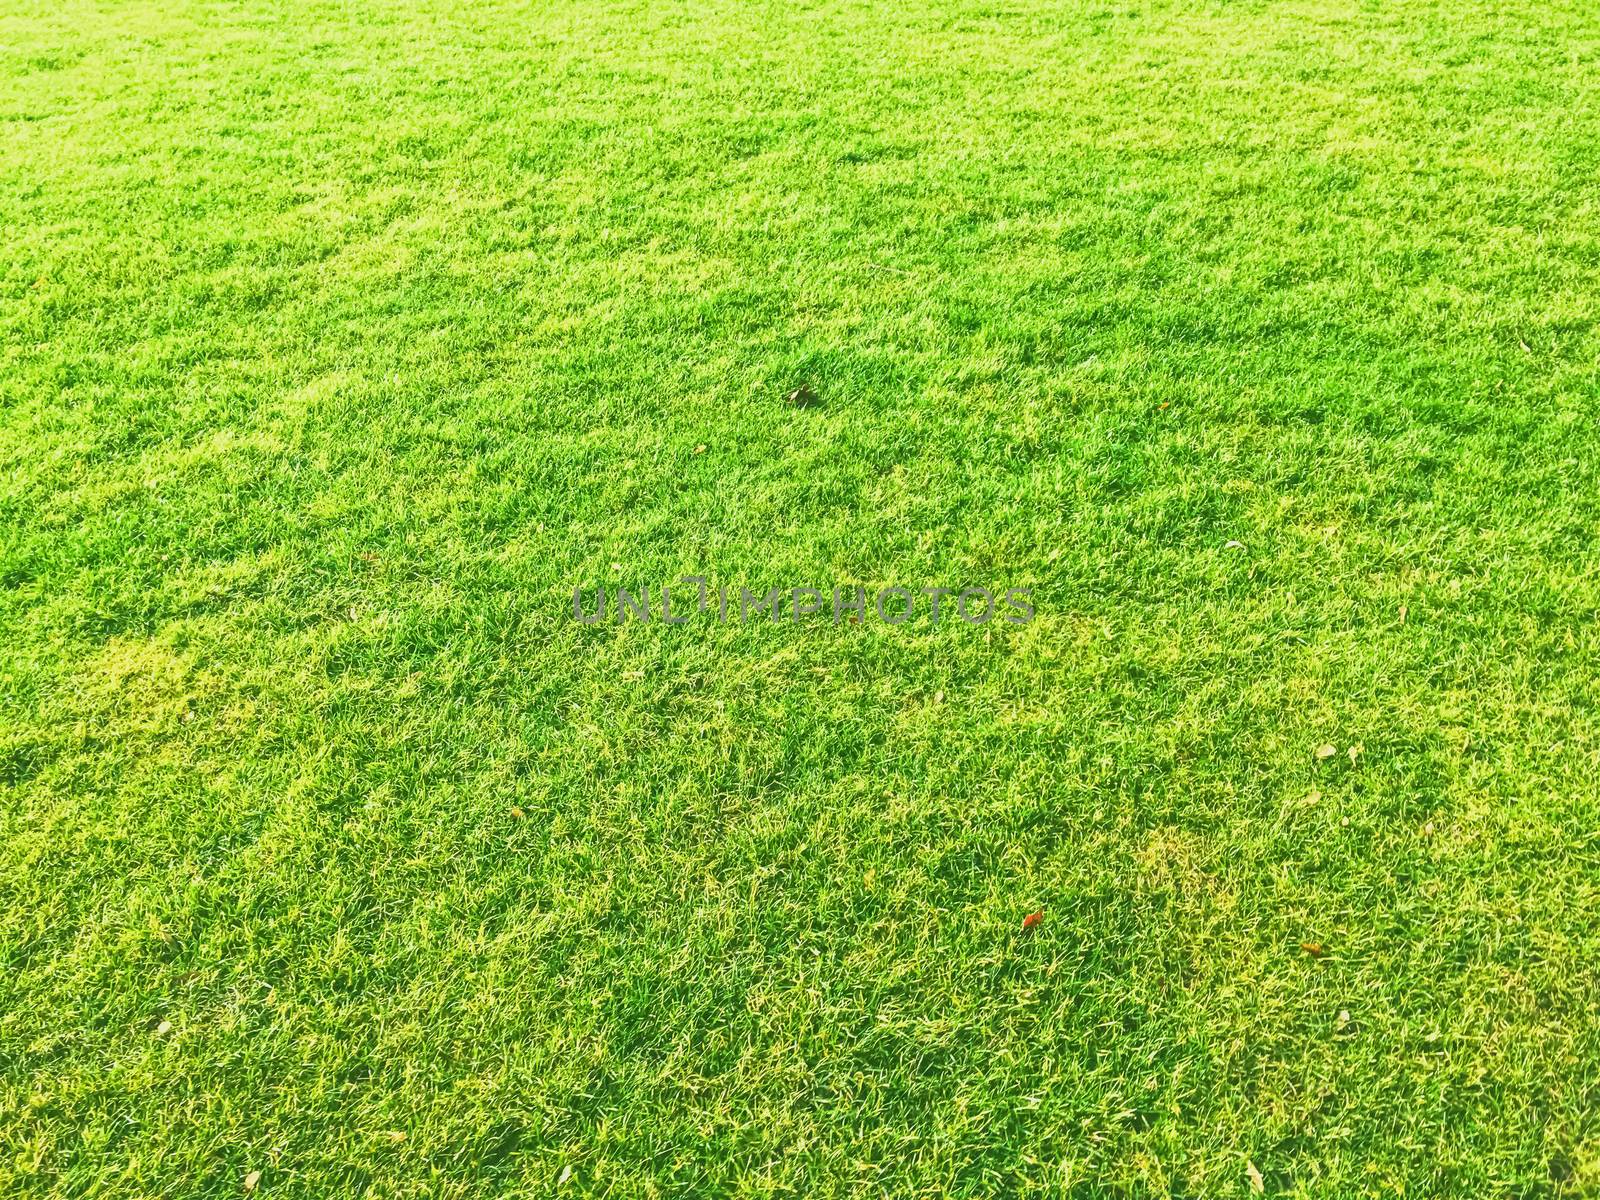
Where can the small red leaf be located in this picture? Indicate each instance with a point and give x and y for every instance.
(1032, 919)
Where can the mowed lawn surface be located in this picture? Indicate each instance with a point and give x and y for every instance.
(340, 342)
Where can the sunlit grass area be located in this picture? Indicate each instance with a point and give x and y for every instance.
(340, 343)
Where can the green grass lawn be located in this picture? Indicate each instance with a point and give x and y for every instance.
(340, 342)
